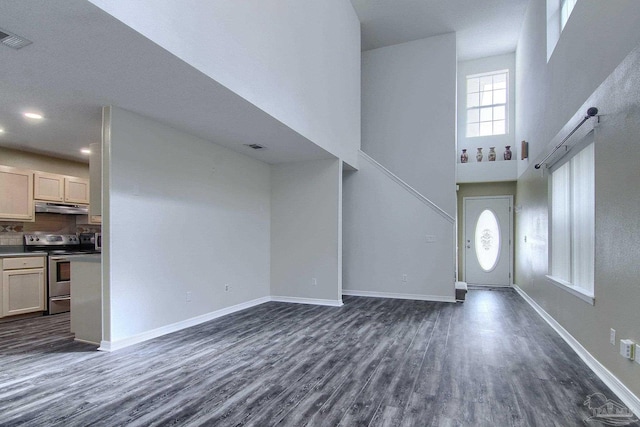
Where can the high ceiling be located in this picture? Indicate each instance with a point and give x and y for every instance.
(483, 27)
(82, 58)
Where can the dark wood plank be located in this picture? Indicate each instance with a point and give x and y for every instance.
(375, 362)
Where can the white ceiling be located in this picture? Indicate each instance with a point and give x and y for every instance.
(82, 58)
(483, 27)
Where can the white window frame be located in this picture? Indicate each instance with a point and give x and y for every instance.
(494, 107)
(572, 221)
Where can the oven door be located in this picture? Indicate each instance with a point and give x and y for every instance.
(59, 276)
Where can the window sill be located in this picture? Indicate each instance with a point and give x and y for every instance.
(584, 296)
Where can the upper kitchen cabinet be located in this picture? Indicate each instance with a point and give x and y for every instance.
(48, 187)
(59, 188)
(76, 190)
(16, 194)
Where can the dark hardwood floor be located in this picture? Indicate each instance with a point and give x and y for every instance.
(491, 361)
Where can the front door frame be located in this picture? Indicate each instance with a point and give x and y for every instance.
(464, 234)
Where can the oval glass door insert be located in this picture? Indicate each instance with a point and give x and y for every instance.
(487, 237)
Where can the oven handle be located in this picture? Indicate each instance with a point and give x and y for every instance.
(60, 298)
(59, 258)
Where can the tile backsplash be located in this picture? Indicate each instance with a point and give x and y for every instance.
(11, 233)
(10, 239)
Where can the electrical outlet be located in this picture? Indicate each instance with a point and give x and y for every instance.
(627, 349)
(637, 358)
(188, 296)
(404, 278)
(612, 336)
(314, 281)
(226, 287)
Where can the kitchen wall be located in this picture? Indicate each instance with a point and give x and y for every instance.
(201, 215)
(11, 232)
(39, 162)
(297, 61)
(409, 114)
(306, 237)
(590, 66)
(507, 188)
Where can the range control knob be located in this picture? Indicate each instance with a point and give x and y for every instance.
(31, 239)
(37, 239)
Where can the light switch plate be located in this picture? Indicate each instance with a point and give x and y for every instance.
(637, 359)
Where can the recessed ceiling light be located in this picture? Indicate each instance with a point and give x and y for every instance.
(33, 116)
(85, 151)
(1, 130)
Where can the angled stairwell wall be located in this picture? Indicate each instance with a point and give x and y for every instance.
(399, 207)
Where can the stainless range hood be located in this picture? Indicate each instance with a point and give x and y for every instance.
(60, 208)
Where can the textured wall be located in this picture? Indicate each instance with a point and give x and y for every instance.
(617, 230)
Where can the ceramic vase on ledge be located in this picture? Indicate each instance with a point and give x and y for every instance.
(479, 154)
(464, 157)
(507, 152)
(492, 154)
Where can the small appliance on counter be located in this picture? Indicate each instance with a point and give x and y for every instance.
(58, 247)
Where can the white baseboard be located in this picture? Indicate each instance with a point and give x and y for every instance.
(436, 298)
(154, 333)
(314, 301)
(628, 398)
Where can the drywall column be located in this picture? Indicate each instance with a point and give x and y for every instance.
(306, 215)
(184, 218)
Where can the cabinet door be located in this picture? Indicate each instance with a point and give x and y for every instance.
(76, 190)
(16, 194)
(48, 186)
(22, 291)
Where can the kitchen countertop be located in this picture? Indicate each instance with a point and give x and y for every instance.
(85, 257)
(11, 251)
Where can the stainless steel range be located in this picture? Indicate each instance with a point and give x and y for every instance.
(58, 248)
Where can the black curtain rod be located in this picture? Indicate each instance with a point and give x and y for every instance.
(590, 113)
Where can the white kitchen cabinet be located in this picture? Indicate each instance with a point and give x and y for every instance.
(48, 186)
(23, 286)
(60, 188)
(16, 194)
(76, 190)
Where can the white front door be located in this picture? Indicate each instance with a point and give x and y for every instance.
(487, 240)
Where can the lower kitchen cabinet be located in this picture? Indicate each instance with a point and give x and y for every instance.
(23, 286)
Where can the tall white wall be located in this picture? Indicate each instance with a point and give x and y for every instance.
(478, 66)
(596, 38)
(306, 238)
(385, 237)
(181, 215)
(590, 66)
(409, 114)
(297, 61)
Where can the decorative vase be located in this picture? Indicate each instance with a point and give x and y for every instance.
(507, 152)
(492, 154)
(464, 157)
(479, 155)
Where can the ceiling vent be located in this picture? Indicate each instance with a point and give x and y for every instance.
(12, 40)
(256, 146)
